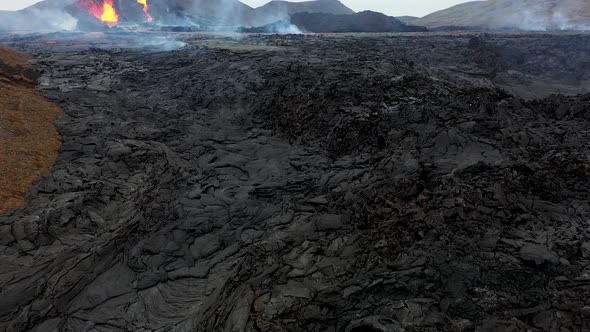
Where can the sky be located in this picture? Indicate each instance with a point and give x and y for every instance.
(390, 7)
(15, 4)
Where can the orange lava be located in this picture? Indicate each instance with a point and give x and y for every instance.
(103, 10)
(146, 10)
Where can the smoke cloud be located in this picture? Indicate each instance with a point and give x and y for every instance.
(540, 15)
(37, 19)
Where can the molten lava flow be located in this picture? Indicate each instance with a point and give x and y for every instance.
(146, 10)
(103, 10)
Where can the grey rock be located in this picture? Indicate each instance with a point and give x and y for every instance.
(6, 235)
(538, 254)
(293, 289)
(319, 200)
(197, 271)
(205, 245)
(374, 323)
(327, 222)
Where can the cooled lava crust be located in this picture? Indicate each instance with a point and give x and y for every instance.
(309, 183)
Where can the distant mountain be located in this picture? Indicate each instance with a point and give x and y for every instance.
(280, 10)
(319, 6)
(366, 21)
(230, 12)
(519, 14)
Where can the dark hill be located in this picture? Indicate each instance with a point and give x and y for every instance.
(407, 19)
(366, 21)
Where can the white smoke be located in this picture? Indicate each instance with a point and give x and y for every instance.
(562, 21)
(34, 19)
(160, 44)
(543, 15)
(292, 29)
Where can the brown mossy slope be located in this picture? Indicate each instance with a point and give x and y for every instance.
(28, 139)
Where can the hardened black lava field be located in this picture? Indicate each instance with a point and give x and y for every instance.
(402, 182)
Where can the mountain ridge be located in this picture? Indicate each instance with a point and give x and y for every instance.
(319, 6)
(515, 14)
(277, 10)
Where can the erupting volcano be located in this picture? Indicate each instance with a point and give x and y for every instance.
(107, 11)
(146, 10)
(104, 11)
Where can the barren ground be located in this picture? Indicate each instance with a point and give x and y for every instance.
(307, 183)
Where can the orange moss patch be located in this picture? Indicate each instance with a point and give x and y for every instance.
(29, 142)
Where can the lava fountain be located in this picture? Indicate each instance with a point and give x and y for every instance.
(146, 10)
(104, 11)
(109, 14)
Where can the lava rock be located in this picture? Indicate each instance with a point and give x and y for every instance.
(538, 254)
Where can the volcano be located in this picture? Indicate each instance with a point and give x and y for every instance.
(96, 14)
(276, 10)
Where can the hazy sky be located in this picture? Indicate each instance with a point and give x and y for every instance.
(391, 7)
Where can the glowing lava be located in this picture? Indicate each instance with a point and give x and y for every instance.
(146, 10)
(103, 10)
(109, 13)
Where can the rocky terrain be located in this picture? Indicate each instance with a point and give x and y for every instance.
(322, 6)
(307, 183)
